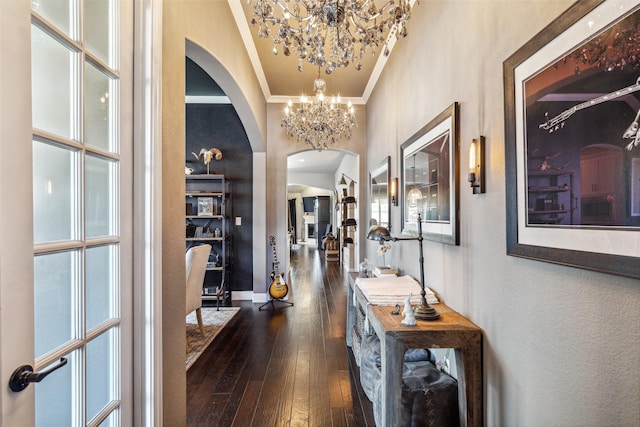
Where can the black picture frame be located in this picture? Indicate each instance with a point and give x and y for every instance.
(430, 164)
(559, 93)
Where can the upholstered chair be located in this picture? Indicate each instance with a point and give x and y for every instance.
(196, 262)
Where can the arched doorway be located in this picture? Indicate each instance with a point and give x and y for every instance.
(313, 176)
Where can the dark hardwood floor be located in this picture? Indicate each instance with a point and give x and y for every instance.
(287, 366)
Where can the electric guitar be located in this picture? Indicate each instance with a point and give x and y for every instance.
(278, 288)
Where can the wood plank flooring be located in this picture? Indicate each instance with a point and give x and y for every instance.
(287, 366)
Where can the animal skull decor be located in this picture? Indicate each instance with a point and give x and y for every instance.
(208, 155)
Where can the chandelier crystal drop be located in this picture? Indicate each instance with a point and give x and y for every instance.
(330, 34)
(319, 120)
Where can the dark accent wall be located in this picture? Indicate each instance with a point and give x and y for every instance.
(218, 125)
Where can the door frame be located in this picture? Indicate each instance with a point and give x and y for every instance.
(147, 215)
(16, 228)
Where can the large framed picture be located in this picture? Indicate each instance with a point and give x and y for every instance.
(430, 184)
(572, 145)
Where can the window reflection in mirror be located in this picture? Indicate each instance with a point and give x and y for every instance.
(379, 206)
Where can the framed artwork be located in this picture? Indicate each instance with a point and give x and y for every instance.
(430, 183)
(572, 106)
(205, 206)
(379, 194)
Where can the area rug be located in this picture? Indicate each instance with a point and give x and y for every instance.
(213, 321)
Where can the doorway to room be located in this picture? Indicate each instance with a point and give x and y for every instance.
(315, 208)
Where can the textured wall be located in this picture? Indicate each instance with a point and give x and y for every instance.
(562, 345)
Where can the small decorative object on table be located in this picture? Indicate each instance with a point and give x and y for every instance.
(366, 268)
(407, 312)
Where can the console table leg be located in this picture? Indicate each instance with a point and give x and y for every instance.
(392, 352)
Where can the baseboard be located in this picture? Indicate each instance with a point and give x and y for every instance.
(242, 295)
(259, 298)
(255, 297)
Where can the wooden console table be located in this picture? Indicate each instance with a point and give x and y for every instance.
(451, 330)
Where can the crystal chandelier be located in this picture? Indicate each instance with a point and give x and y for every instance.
(331, 33)
(317, 120)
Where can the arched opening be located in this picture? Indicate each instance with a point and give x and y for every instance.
(315, 201)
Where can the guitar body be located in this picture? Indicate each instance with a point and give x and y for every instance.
(278, 289)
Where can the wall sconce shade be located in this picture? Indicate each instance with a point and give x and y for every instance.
(393, 191)
(342, 183)
(476, 176)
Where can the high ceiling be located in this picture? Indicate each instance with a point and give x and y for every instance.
(279, 74)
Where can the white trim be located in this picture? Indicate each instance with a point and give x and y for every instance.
(148, 214)
(197, 99)
(259, 298)
(245, 33)
(243, 295)
(281, 99)
(259, 222)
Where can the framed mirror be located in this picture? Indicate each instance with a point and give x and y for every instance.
(430, 184)
(379, 195)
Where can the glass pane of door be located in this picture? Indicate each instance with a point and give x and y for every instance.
(98, 117)
(55, 205)
(101, 369)
(53, 91)
(102, 287)
(98, 19)
(99, 200)
(55, 283)
(58, 387)
(58, 12)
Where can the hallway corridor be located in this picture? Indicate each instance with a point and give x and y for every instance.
(287, 366)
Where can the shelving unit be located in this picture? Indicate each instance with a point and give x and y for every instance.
(348, 226)
(208, 213)
(550, 197)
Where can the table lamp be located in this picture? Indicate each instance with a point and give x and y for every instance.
(422, 311)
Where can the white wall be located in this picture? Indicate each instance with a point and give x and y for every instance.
(561, 345)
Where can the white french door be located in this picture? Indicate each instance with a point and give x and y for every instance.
(80, 168)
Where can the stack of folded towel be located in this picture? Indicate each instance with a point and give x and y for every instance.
(393, 290)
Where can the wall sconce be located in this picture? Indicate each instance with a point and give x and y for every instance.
(393, 191)
(476, 165)
(342, 183)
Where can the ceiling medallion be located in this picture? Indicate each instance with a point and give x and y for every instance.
(318, 120)
(330, 34)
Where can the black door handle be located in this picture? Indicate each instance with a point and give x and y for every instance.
(24, 375)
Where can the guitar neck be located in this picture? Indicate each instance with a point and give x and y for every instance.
(275, 260)
(551, 124)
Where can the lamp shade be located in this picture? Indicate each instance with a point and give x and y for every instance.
(342, 183)
(379, 233)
